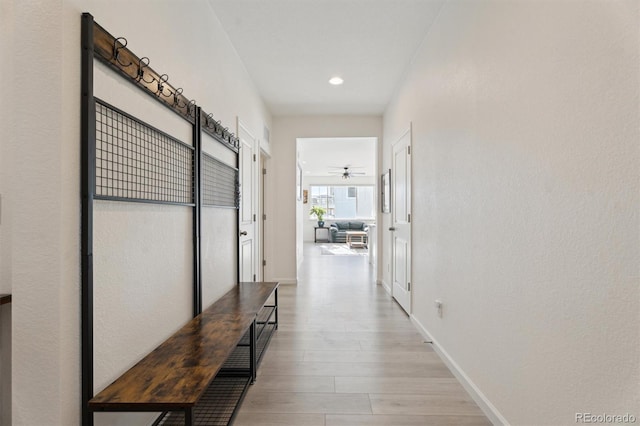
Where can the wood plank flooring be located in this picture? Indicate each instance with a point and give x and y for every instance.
(345, 354)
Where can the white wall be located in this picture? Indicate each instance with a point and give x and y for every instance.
(142, 287)
(39, 236)
(526, 174)
(307, 181)
(40, 228)
(218, 255)
(6, 126)
(282, 207)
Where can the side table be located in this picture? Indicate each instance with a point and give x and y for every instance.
(315, 235)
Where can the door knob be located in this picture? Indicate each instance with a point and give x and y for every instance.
(243, 233)
(392, 228)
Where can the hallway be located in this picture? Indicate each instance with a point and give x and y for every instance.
(346, 354)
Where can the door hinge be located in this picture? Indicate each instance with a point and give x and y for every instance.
(264, 262)
(254, 217)
(409, 150)
(264, 217)
(264, 171)
(409, 218)
(408, 286)
(254, 277)
(254, 157)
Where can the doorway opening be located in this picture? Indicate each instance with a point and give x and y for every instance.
(337, 189)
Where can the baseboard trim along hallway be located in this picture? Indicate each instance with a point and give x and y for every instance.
(483, 402)
(346, 354)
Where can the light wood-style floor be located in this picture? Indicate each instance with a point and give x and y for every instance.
(346, 354)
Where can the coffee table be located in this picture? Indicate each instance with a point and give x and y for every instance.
(355, 239)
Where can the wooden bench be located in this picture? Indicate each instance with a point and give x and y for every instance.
(226, 340)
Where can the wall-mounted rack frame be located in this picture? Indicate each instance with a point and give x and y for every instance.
(99, 44)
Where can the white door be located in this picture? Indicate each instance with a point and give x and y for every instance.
(401, 221)
(247, 228)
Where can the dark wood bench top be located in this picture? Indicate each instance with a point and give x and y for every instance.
(176, 373)
(245, 297)
(5, 298)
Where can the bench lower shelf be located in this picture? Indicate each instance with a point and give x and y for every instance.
(217, 406)
(221, 400)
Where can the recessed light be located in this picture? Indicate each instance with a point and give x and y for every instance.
(336, 81)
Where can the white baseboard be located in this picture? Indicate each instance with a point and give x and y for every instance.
(483, 402)
(386, 286)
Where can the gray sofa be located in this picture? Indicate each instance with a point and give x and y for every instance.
(338, 230)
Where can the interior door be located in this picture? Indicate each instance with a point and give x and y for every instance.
(248, 187)
(401, 221)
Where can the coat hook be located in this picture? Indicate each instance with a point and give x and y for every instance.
(164, 78)
(141, 66)
(116, 50)
(210, 117)
(176, 99)
(191, 107)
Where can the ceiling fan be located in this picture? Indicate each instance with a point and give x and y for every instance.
(346, 173)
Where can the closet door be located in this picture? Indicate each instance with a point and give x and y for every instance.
(247, 238)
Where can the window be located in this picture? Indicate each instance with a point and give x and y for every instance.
(344, 202)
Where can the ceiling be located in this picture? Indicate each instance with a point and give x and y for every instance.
(291, 48)
(319, 156)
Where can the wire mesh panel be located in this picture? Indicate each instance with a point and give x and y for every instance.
(219, 183)
(136, 162)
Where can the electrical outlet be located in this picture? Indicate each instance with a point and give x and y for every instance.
(438, 305)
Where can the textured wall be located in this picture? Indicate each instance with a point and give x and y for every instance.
(6, 72)
(142, 284)
(219, 255)
(526, 159)
(6, 125)
(37, 251)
